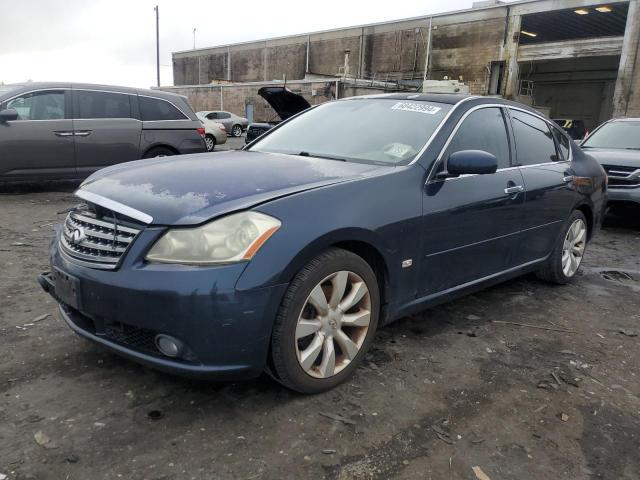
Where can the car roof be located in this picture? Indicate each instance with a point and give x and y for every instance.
(90, 86)
(626, 119)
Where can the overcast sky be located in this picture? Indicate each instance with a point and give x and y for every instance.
(113, 41)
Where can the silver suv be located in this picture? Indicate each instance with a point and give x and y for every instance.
(61, 131)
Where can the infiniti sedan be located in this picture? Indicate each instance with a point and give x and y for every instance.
(288, 255)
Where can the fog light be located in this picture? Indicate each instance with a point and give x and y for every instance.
(169, 346)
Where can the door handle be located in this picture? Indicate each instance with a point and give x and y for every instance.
(82, 133)
(514, 190)
(63, 134)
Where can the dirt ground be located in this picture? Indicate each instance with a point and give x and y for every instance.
(440, 393)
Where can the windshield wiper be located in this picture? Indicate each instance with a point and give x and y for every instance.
(327, 157)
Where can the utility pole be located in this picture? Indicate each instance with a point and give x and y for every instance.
(157, 43)
(194, 38)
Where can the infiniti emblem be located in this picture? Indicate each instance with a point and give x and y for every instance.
(77, 236)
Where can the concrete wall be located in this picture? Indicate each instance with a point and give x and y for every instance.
(462, 46)
(626, 102)
(234, 98)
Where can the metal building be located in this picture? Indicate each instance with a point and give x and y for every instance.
(574, 58)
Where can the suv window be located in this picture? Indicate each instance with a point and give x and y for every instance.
(90, 104)
(562, 142)
(158, 109)
(534, 142)
(484, 129)
(47, 105)
(224, 115)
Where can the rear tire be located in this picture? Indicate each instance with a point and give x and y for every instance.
(326, 322)
(566, 258)
(210, 142)
(159, 152)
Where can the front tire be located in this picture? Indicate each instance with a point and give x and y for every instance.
(326, 322)
(566, 258)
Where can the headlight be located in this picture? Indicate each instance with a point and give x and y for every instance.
(230, 239)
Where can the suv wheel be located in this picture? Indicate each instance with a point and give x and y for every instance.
(565, 260)
(236, 130)
(159, 152)
(326, 322)
(210, 142)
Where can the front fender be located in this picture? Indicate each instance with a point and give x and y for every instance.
(382, 212)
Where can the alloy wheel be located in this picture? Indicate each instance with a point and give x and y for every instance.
(209, 143)
(333, 324)
(236, 130)
(573, 247)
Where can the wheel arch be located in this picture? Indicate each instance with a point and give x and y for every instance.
(160, 145)
(364, 243)
(588, 213)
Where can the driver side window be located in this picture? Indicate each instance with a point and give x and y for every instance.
(47, 105)
(484, 129)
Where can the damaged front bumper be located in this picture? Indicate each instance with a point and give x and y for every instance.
(225, 332)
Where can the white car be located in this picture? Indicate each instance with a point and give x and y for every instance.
(214, 133)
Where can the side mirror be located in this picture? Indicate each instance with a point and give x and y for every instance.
(8, 115)
(471, 162)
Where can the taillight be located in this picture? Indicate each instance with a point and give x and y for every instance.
(221, 127)
(201, 131)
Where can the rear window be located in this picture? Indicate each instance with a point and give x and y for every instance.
(91, 104)
(152, 109)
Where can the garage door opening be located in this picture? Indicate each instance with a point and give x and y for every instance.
(575, 89)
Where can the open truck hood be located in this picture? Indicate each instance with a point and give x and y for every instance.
(284, 101)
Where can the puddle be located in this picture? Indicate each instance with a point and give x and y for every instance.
(617, 276)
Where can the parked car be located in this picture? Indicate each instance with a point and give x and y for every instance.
(214, 133)
(284, 102)
(616, 145)
(289, 254)
(232, 122)
(56, 131)
(575, 128)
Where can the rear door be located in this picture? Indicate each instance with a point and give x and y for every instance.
(39, 144)
(547, 174)
(471, 222)
(105, 129)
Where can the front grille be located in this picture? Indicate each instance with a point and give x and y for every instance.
(255, 132)
(623, 176)
(96, 242)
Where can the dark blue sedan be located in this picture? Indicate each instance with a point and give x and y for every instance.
(288, 255)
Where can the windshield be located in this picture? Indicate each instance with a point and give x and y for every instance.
(625, 134)
(378, 131)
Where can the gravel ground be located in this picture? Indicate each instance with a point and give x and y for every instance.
(440, 392)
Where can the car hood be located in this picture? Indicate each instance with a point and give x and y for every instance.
(283, 101)
(191, 189)
(615, 156)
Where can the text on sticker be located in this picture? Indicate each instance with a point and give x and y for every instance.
(418, 107)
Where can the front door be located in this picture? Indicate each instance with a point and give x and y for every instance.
(546, 169)
(39, 143)
(104, 129)
(470, 222)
